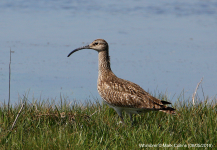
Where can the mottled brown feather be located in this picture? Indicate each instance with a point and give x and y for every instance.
(122, 93)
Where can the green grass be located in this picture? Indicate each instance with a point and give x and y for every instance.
(47, 125)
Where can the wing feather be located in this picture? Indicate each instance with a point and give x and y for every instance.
(124, 93)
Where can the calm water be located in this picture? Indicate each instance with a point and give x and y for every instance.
(164, 46)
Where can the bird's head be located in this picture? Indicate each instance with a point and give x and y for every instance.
(98, 45)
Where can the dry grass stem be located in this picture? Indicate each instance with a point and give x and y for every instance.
(17, 117)
(193, 96)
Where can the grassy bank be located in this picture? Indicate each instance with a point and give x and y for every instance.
(49, 125)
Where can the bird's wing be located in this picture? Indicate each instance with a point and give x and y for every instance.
(128, 94)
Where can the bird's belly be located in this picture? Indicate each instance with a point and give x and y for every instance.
(127, 109)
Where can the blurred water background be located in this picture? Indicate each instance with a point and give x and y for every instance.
(164, 46)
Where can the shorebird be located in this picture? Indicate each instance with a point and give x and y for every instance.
(120, 94)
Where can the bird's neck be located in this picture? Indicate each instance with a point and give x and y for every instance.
(104, 63)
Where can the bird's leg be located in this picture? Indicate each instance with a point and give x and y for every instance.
(131, 119)
(120, 115)
(122, 119)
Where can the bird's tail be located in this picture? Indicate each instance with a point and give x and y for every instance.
(169, 110)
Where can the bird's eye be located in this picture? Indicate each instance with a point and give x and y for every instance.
(96, 43)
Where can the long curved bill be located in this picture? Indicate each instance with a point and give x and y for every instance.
(80, 48)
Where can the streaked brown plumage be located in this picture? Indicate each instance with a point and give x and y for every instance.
(120, 94)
